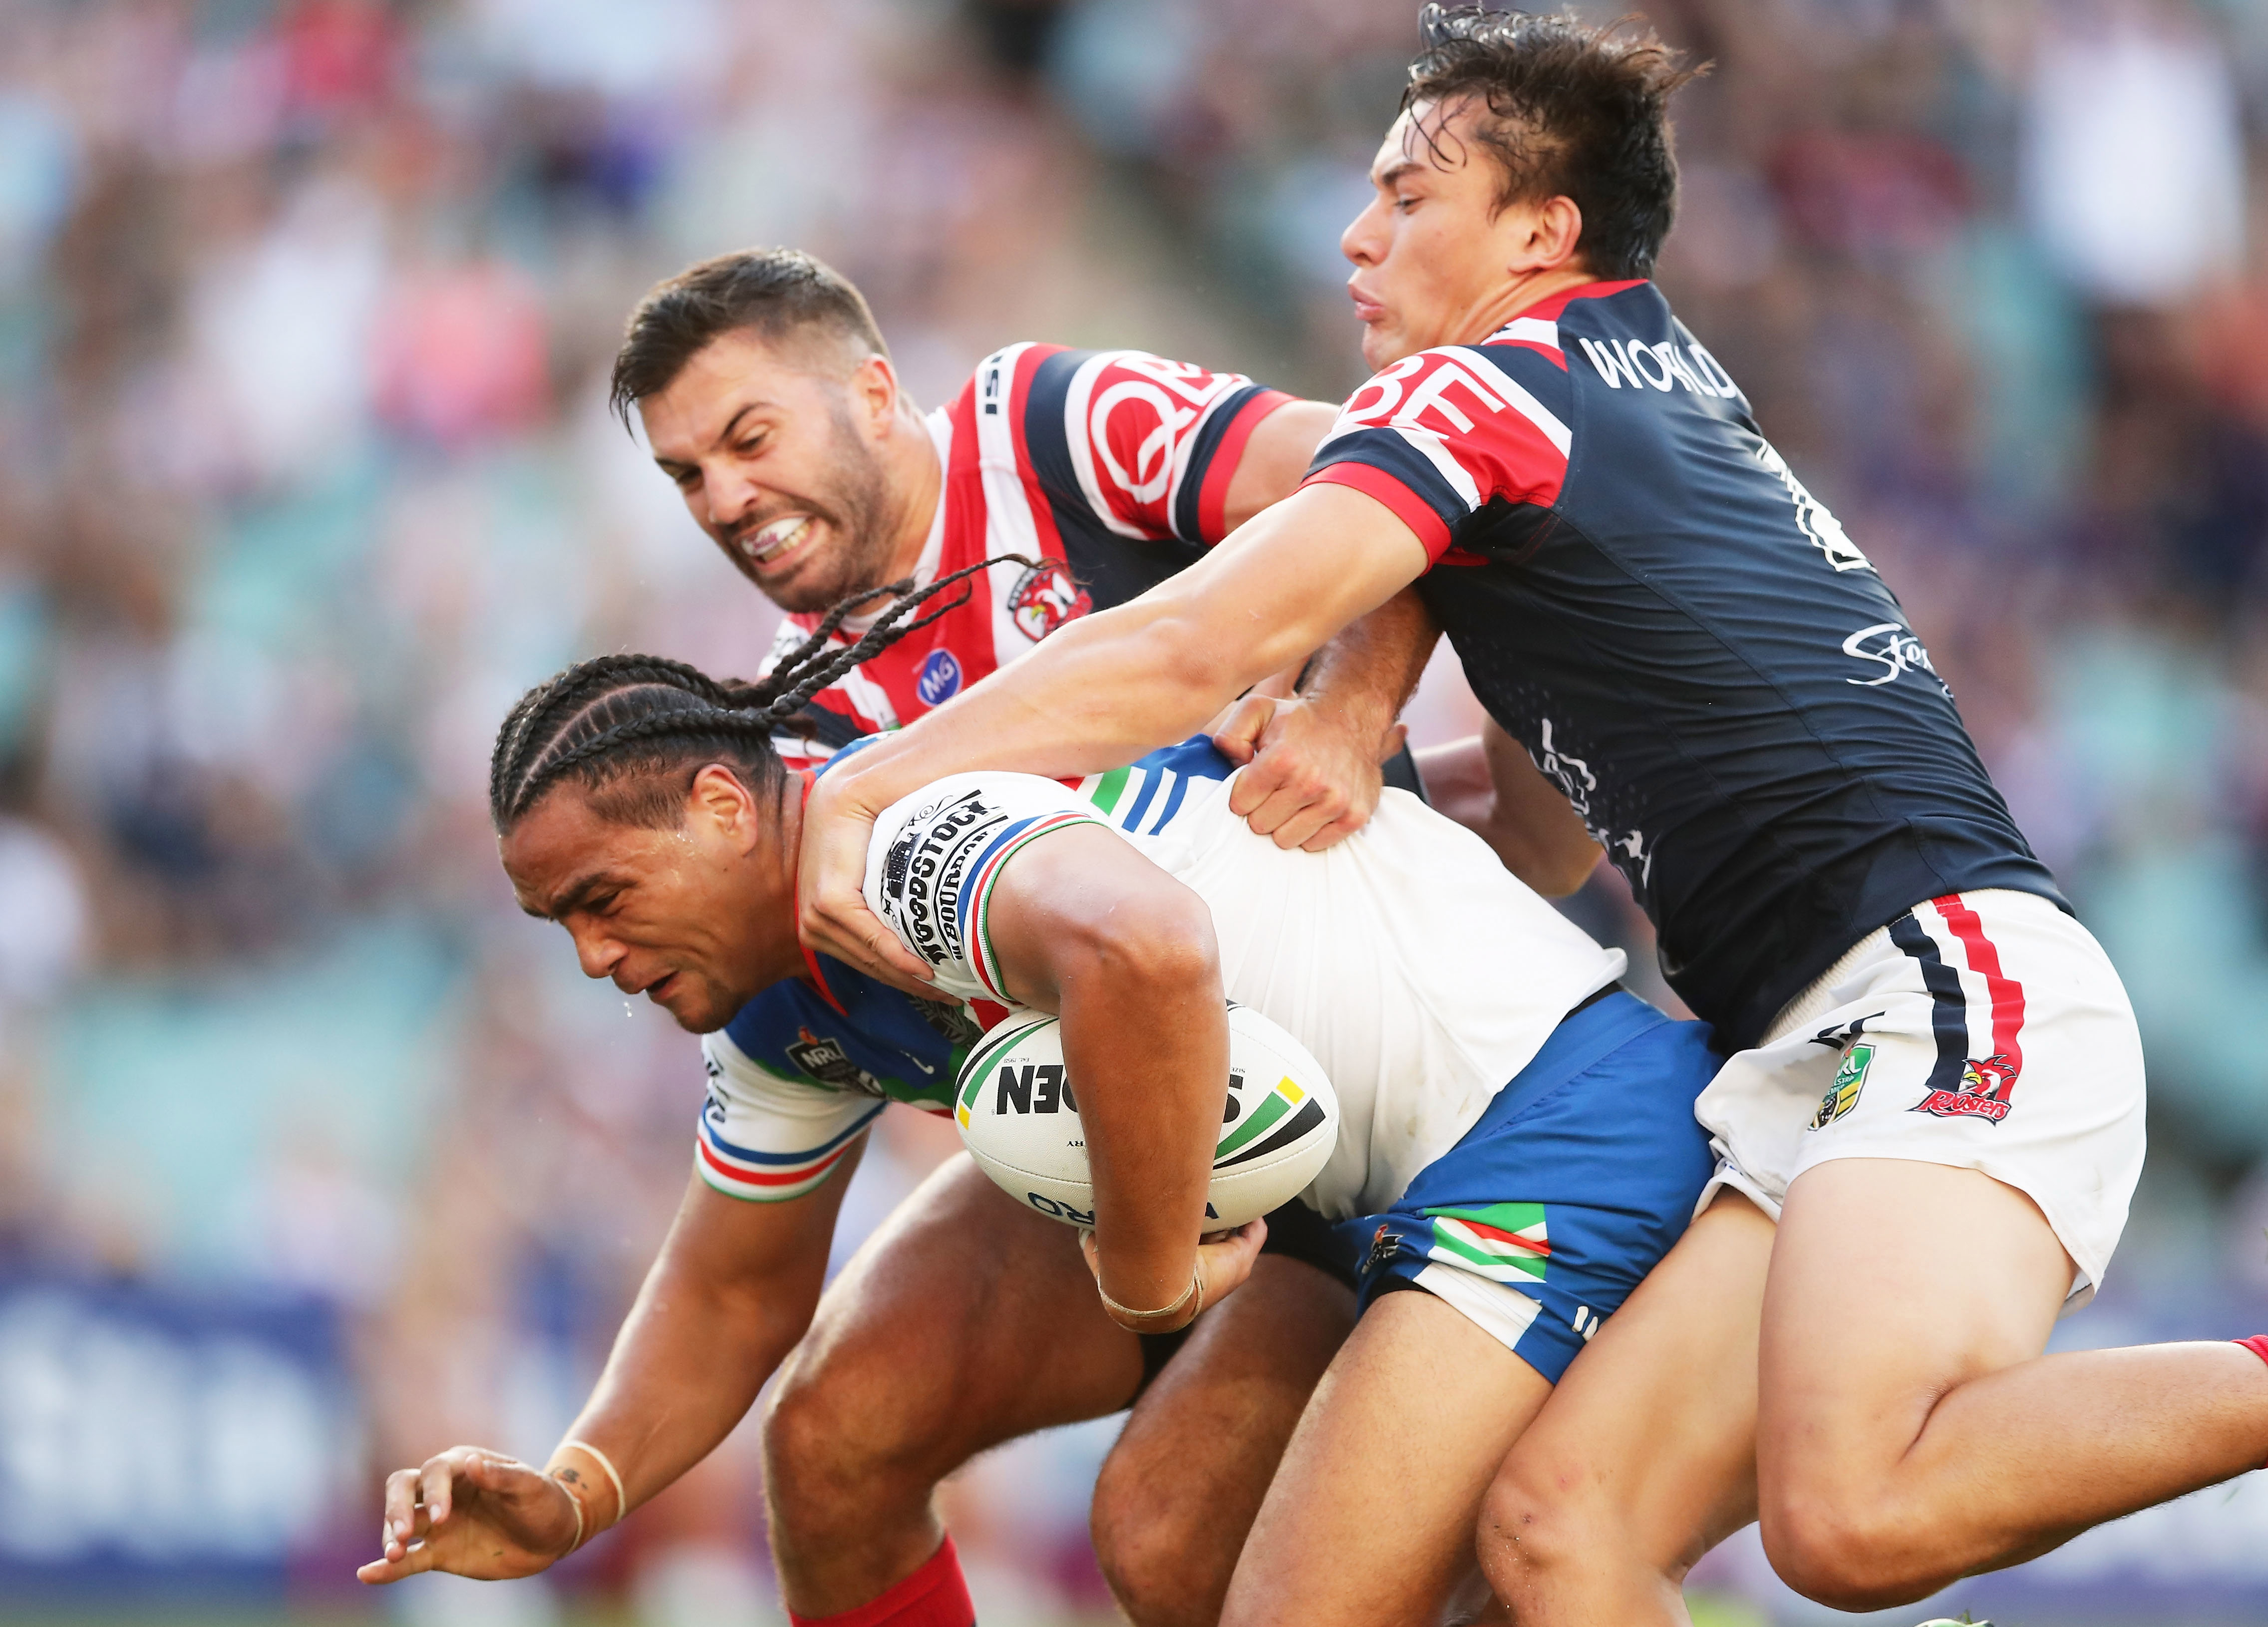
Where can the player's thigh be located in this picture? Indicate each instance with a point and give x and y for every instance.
(1892, 1281)
(1181, 1488)
(965, 1320)
(1644, 1457)
(1370, 1519)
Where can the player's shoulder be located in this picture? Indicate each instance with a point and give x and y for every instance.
(961, 811)
(1624, 335)
(1505, 399)
(933, 854)
(1048, 375)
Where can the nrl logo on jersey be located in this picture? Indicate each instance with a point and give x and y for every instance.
(825, 1061)
(1044, 598)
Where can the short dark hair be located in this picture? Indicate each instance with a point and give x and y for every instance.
(776, 292)
(1574, 110)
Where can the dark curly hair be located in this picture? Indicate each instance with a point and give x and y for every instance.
(1573, 110)
(633, 730)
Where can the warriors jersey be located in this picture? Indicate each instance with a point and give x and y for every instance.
(808, 1063)
(1110, 466)
(1418, 972)
(1685, 638)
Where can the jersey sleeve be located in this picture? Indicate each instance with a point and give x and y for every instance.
(1441, 435)
(936, 856)
(1148, 447)
(765, 1137)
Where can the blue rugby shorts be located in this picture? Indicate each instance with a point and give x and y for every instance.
(1579, 1177)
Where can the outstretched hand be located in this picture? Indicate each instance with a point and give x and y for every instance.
(1310, 780)
(473, 1513)
(831, 911)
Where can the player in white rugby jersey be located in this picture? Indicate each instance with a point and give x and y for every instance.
(1516, 1143)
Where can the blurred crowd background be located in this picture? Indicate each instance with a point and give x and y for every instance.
(315, 1157)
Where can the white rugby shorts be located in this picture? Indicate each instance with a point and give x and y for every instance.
(1984, 1031)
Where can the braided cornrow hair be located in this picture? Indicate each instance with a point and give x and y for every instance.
(619, 724)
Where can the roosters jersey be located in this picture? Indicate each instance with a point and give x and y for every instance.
(1687, 641)
(1111, 467)
(1418, 972)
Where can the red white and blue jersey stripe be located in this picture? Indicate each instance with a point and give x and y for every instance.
(1112, 466)
(1685, 638)
(808, 1063)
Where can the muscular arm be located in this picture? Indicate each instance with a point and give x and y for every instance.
(1276, 458)
(1087, 927)
(1489, 784)
(732, 1290)
(1103, 690)
(731, 1293)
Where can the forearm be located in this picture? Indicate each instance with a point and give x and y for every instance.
(1362, 678)
(694, 1351)
(1105, 689)
(1148, 1045)
(1098, 694)
(1086, 927)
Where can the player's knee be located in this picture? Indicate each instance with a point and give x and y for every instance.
(1154, 1547)
(1850, 1552)
(833, 1449)
(1538, 1527)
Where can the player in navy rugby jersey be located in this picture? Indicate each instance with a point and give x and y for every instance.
(1932, 1082)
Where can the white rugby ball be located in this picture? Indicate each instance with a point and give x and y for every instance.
(1019, 1117)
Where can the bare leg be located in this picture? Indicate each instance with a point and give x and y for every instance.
(1370, 1521)
(1643, 1458)
(1911, 1433)
(1181, 1488)
(966, 1320)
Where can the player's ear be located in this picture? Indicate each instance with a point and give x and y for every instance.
(873, 390)
(1553, 234)
(720, 801)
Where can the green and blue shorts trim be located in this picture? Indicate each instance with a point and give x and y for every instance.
(1581, 1174)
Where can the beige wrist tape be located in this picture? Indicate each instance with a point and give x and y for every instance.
(584, 1531)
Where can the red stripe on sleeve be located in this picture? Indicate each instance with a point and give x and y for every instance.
(1213, 495)
(1411, 509)
(2007, 994)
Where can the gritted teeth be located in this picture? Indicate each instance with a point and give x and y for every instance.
(770, 541)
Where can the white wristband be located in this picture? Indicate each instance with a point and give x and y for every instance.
(622, 1497)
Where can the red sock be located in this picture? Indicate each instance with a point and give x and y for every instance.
(936, 1595)
(2257, 1345)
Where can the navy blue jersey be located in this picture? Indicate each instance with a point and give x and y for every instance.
(1645, 596)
